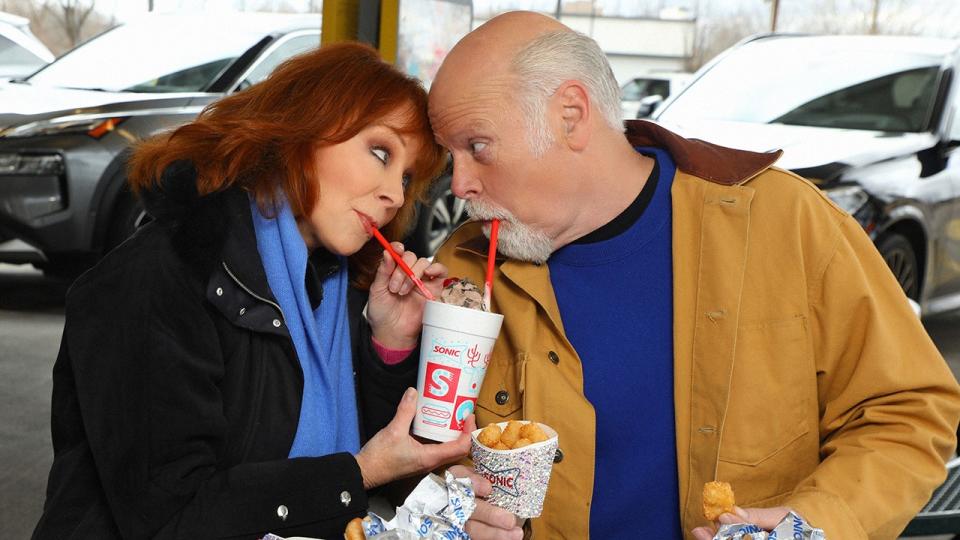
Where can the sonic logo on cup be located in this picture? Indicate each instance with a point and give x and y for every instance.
(441, 382)
(505, 480)
(446, 351)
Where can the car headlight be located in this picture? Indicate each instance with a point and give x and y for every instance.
(850, 198)
(95, 126)
(31, 165)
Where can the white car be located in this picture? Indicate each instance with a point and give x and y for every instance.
(21, 53)
(641, 95)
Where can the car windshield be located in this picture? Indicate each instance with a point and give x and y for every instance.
(157, 57)
(824, 84)
(12, 54)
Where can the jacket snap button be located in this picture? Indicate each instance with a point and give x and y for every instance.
(502, 397)
(282, 512)
(242, 311)
(345, 498)
(219, 291)
(276, 323)
(554, 357)
(558, 457)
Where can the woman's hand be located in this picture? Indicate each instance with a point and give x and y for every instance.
(395, 305)
(393, 453)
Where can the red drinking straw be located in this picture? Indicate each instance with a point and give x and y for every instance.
(403, 266)
(491, 259)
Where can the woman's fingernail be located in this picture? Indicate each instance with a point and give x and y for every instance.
(740, 512)
(411, 393)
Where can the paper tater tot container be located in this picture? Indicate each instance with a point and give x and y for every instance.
(520, 477)
(455, 347)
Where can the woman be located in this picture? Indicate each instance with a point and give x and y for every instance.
(216, 377)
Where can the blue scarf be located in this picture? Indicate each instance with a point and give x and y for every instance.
(328, 413)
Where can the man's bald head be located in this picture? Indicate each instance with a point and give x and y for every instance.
(529, 55)
(497, 41)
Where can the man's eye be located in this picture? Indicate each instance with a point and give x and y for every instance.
(477, 147)
(382, 154)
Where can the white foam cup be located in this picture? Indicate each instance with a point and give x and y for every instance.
(455, 347)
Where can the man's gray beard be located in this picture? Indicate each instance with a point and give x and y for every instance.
(515, 240)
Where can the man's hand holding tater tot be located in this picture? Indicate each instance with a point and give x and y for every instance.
(765, 518)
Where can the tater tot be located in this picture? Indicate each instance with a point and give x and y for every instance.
(717, 499)
(521, 443)
(511, 433)
(489, 436)
(534, 432)
(500, 446)
(354, 530)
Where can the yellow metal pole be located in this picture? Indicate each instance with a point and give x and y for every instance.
(339, 21)
(389, 26)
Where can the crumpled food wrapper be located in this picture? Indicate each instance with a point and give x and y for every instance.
(462, 292)
(792, 527)
(436, 510)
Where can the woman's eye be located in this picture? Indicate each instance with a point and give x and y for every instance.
(477, 147)
(382, 154)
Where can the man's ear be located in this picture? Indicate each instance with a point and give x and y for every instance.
(573, 102)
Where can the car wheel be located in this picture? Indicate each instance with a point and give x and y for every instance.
(899, 256)
(128, 215)
(437, 219)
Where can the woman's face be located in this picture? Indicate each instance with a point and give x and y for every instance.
(361, 180)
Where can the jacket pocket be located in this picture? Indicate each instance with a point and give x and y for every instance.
(502, 392)
(773, 393)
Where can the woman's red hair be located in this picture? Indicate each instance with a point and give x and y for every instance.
(265, 137)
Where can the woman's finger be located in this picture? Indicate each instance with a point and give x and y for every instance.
(399, 277)
(406, 410)
(434, 271)
(418, 268)
(434, 455)
(384, 269)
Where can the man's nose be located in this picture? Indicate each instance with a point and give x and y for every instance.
(464, 183)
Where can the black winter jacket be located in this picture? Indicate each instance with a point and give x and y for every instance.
(177, 390)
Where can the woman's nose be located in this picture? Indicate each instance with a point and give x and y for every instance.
(392, 193)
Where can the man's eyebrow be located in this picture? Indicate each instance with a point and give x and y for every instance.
(471, 129)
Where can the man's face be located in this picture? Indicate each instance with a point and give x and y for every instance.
(494, 167)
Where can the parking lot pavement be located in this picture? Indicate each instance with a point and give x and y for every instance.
(31, 321)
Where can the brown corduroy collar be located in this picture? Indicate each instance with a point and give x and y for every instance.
(705, 160)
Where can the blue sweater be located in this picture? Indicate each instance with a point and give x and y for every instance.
(616, 302)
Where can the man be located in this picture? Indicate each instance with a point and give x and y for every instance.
(678, 311)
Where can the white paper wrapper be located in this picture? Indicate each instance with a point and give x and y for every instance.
(792, 527)
(520, 477)
(436, 510)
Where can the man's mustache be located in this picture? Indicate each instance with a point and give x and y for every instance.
(484, 212)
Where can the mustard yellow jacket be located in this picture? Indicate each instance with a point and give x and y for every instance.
(801, 375)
